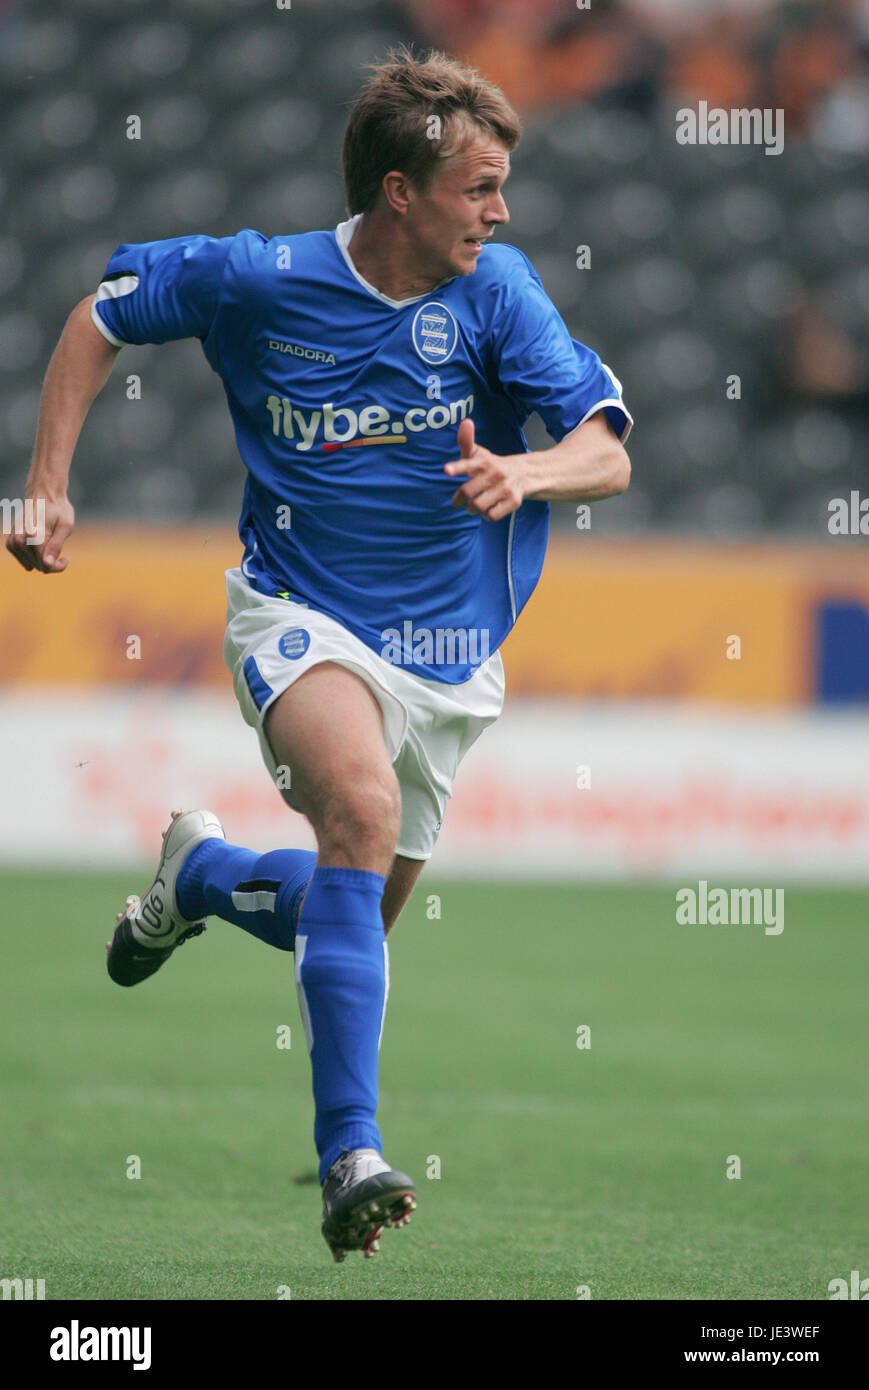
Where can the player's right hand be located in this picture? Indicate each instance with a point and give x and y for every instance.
(52, 519)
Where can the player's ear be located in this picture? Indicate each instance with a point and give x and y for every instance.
(397, 191)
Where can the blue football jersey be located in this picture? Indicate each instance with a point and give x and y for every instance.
(346, 406)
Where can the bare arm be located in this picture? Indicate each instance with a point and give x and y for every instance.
(587, 466)
(79, 368)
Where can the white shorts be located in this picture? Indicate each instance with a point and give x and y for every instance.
(428, 726)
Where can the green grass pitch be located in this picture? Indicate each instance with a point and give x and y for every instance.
(560, 1167)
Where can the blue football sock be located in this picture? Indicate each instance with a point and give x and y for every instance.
(342, 976)
(258, 892)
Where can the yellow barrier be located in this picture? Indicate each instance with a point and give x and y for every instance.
(632, 618)
(163, 585)
(609, 618)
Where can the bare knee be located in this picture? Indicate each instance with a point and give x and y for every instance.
(357, 823)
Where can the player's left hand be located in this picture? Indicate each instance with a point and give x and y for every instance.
(496, 482)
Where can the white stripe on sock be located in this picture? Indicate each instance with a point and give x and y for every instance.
(254, 902)
(301, 943)
(385, 991)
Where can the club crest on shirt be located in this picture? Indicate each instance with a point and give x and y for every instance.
(434, 332)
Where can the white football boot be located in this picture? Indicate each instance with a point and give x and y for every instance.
(361, 1195)
(151, 927)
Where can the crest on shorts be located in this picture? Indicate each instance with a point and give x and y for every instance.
(294, 643)
(434, 332)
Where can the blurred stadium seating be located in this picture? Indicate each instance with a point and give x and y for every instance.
(705, 261)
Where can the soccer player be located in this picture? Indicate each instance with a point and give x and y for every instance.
(394, 524)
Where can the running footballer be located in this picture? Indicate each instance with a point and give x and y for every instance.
(393, 524)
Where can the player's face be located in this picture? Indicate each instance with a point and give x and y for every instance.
(460, 208)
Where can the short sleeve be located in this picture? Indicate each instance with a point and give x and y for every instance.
(541, 368)
(156, 291)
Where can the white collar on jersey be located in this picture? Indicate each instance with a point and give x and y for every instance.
(343, 235)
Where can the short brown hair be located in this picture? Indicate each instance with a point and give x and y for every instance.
(390, 121)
